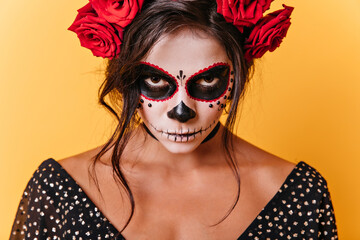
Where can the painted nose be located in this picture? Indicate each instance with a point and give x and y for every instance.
(181, 112)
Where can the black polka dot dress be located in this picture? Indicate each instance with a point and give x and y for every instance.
(54, 206)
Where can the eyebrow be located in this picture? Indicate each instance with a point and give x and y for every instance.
(214, 68)
(148, 68)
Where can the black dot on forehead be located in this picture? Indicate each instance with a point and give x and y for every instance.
(150, 105)
(232, 72)
(142, 100)
(210, 105)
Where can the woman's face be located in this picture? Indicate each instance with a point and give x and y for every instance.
(185, 81)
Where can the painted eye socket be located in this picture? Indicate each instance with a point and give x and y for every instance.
(209, 84)
(154, 83)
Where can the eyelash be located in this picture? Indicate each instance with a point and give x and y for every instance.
(214, 80)
(206, 88)
(155, 88)
(154, 82)
(199, 86)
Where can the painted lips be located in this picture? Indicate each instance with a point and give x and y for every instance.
(182, 137)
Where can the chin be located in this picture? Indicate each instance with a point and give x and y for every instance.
(182, 142)
(180, 147)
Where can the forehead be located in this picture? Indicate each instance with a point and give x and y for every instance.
(188, 50)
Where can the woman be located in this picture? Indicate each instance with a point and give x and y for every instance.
(171, 170)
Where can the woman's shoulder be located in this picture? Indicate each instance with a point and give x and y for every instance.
(307, 180)
(47, 172)
(296, 194)
(79, 160)
(51, 196)
(50, 182)
(260, 162)
(78, 165)
(51, 171)
(273, 171)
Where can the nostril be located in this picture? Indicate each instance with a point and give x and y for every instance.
(181, 112)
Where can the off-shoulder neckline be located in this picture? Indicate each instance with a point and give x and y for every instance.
(284, 185)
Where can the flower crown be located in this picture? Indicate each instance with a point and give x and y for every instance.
(100, 24)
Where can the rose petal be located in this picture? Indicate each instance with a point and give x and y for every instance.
(96, 34)
(242, 13)
(268, 33)
(120, 14)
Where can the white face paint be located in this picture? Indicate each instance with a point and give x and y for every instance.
(185, 83)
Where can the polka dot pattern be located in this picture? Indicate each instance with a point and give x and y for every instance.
(301, 209)
(54, 206)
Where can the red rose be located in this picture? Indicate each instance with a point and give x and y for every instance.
(96, 34)
(242, 13)
(268, 33)
(119, 12)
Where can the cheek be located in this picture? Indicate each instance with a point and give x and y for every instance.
(151, 111)
(207, 115)
(210, 111)
(148, 110)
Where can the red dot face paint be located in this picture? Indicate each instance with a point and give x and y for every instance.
(198, 66)
(209, 84)
(206, 85)
(155, 83)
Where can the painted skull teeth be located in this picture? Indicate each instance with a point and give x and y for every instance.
(182, 135)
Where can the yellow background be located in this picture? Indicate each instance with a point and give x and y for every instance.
(303, 104)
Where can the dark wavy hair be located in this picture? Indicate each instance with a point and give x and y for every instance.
(159, 17)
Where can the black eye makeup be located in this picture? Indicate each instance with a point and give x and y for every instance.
(210, 83)
(155, 83)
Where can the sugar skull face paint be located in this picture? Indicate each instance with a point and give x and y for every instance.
(206, 85)
(155, 83)
(185, 82)
(210, 83)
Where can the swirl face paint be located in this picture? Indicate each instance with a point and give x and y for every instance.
(184, 82)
